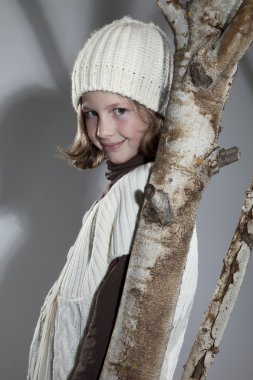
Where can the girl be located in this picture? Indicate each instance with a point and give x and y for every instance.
(120, 88)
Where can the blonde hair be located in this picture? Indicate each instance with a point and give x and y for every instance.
(83, 154)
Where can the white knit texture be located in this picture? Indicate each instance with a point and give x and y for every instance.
(127, 57)
(107, 232)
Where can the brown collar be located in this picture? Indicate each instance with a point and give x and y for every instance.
(116, 171)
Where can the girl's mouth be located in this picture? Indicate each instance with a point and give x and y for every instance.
(112, 146)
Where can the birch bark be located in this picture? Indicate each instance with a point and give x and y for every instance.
(210, 333)
(211, 36)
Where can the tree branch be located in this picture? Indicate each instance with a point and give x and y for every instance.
(175, 13)
(228, 156)
(210, 333)
(208, 19)
(239, 33)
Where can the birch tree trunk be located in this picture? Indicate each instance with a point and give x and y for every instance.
(211, 36)
(210, 333)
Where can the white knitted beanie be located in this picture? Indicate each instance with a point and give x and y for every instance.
(127, 57)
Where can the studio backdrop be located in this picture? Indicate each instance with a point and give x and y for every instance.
(43, 198)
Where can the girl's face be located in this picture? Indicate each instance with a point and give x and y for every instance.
(113, 124)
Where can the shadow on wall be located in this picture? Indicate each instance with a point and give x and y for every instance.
(105, 12)
(40, 26)
(42, 198)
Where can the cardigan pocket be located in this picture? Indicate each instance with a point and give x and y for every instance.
(70, 321)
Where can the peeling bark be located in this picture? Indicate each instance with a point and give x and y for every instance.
(210, 333)
(187, 157)
(228, 156)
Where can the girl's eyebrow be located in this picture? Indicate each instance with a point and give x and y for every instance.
(119, 104)
(84, 106)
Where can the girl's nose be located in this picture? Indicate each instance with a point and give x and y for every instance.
(104, 128)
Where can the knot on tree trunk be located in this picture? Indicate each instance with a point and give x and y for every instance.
(198, 75)
(158, 203)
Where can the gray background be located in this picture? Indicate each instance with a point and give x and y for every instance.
(43, 198)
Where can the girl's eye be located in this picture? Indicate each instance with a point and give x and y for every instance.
(90, 114)
(120, 111)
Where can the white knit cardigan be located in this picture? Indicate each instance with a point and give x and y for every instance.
(106, 232)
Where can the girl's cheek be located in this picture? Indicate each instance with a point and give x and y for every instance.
(90, 123)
